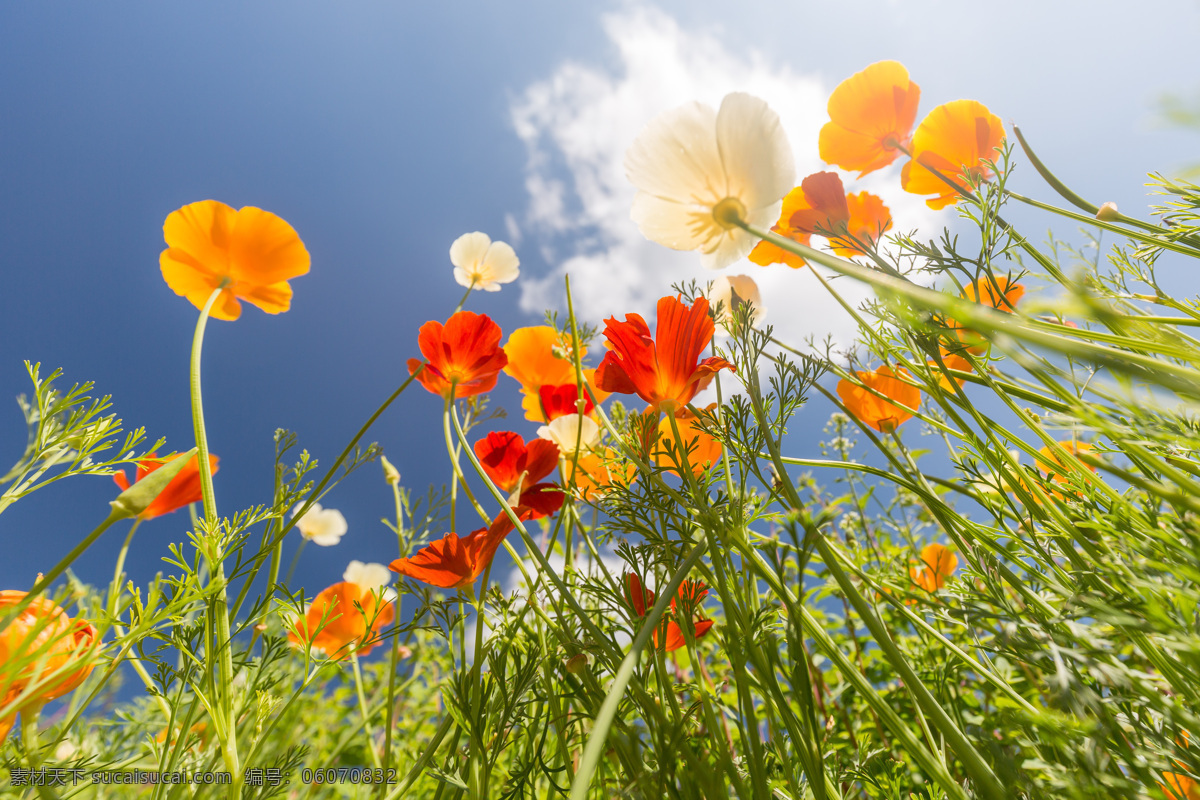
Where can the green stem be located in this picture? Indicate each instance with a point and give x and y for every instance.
(362, 707)
(287, 581)
(114, 591)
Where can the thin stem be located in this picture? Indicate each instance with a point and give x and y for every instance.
(362, 707)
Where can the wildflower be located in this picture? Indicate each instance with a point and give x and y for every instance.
(1179, 787)
(183, 489)
(462, 356)
(692, 593)
(595, 473)
(558, 401)
(703, 450)
(993, 291)
(249, 253)
(869, 220)
(511, 464)
(937, 564)
(1056, 471)
(455, 562)
(871, 116)
(480, 263)
(371, 576)
(321, 526)
(572, 433)
(951, 361)
(722, 292)
(664, 371)
(698, 171)
(950, 144)
(880, 413)
(538, 357)
(346, 617)
(44, 654)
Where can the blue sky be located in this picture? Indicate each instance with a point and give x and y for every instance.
(381, 132)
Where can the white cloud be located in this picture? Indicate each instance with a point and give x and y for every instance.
(577, 124)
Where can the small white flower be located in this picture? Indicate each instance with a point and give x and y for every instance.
(697, 169)
(722, 291)
(371, 577)
(483, 264)
(570, 431)
(323, 526)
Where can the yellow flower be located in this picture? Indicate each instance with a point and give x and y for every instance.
(696, 170)
(480, 263)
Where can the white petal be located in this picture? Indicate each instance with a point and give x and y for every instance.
(679, 226)
(500, 264)
(757, 158)
(676, 156)
(324, 526)
(571, 429)
(469, 249)
(734, 245)
(368, 576)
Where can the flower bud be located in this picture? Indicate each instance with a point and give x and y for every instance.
(576, 664)
(138, 497)
(1108, 212)
(390, 473)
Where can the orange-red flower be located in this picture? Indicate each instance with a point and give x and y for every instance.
(666, 370)
(951, 142)
(820, 205)
(691, 594)
(184, 488)
(342, 619)
(871, 115)
(937, 564)
(703, 451)
(880, 413)
(44, 654)
(595, 473)
(558, 401)
(463, 355)
(996, 292)
(537, 357)
(455, 562)
(505, 457)
(249, 252)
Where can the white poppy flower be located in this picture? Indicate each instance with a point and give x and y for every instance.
(722, 291)
(323, 526)
(571, 430)
(371, 577)
(696, 169)
(483, 264)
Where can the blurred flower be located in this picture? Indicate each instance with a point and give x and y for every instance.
(322, 526)
(664, 371)
(464, 354)
(703, 451)
(44, 654)
(951, 143)
(250, 252)
(455, 562)
(508, 461)
(1108, 212)
(871, 116)
(594, 473)
(937, 564)
(951, 361)
(1179, 787)
(344, 618)
(995, 292)
(538, 357)
(571, 433)
(480, 263)
(722, 291)
(691, 594)
(697, 170)
(874, 411)
(1057, 471)
(184, 488)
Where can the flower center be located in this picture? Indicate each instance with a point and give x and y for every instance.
(729, 212)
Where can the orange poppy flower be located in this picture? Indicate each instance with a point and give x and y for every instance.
(664, 371)
(869, 219)
(996, 292)
(184, 488)
(952, 361)
(538, 357)
(463, 355)
(595, 473)
(937, 564)
(871, 115)
(1055, 470)
(352, 616)
(703, 450)
(455, 562)
(951, 142)
(250, 252)
(44, 654)
(874, 411)
(505, 458)
(1179, 787)
(641, 599)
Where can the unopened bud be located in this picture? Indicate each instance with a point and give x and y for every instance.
(1108, 212)
(576, 664)
(390, 473)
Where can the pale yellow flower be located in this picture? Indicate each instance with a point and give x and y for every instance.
(721, 293)
(371, 577)
(572, 431)
(697, 169)
(322, 526)
(480, 263)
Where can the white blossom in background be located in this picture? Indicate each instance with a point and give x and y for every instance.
(721, 293)
(322, 526)
(480, 263)
(371, 577)
(570, 431)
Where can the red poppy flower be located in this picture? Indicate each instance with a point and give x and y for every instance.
(666, 370)
(184, 488)
(464, 353)
(352, 616)
(693, 592)
(505, 456)
(455, 562)
(558, 401)
(871, 115)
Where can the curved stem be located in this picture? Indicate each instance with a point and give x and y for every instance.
(115, 590)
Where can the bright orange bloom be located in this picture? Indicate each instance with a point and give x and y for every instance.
(664, 371)
(505, 457)
(464, 354)
(703, 451)
(869, 220)
(692, 593)
(538, 357)
(937, 564)
(1055, 470)
(251, 252)
(874, 411)
(455, 562)
(1179, 787)
(595, 473)
(871, 116)
(184, 488)
(44, 654)
(995, 292)
(558, 401)
(353, 616)
(951, 142)
(952, 361)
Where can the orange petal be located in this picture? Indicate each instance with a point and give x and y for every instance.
(871, 113)
(264, 249)
(950, 142)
